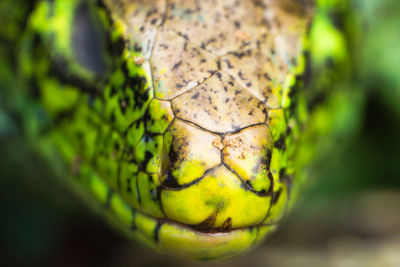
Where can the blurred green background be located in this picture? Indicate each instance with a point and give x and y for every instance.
(349, 215)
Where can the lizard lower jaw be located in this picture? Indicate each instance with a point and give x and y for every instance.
(187, 242)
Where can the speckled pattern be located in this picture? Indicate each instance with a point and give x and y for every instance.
(189, 143)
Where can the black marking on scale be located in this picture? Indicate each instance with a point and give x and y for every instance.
(157, 231)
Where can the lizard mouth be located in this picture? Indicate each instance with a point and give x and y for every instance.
(194, 242)
(186, 241)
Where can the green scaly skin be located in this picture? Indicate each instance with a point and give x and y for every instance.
(101, 125)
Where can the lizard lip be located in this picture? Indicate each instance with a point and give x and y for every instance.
(190, 242)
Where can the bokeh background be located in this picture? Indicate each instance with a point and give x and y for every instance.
(348, 215)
